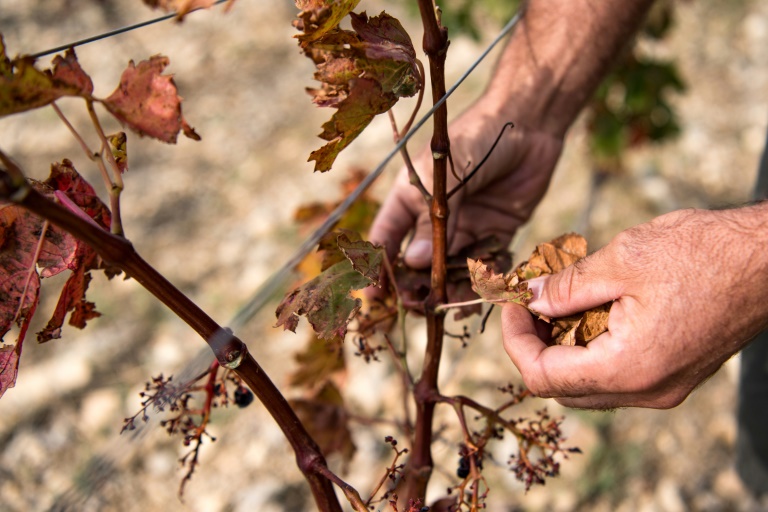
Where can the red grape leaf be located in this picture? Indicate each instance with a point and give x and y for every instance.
(495, 287)
(318, 17)
(327, 420)
(19, 287)
(20, 269)
(148, 102)
(67, 70)
(24, 87)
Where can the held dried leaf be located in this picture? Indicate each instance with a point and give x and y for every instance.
(554, 256)
(494, 287)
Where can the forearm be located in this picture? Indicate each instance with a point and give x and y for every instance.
(556, 58)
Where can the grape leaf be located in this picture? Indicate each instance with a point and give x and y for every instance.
(554, 256)
(327, 420)
(28, 252)
(365, 101)
(147, 101)
(583, 328)
(317, 363)
(318, 17)
(24, 87)
(326, 300)
(366, 258)
(547, 258)
(494, 287)
(362, 74)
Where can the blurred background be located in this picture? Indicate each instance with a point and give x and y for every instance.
(682, 124)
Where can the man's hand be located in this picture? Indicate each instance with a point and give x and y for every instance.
(496, 201)
(690, 289)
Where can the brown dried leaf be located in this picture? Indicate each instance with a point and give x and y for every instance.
(499, 288)
(317, 362)
(554, 256)
(327, 420)
(582, 328)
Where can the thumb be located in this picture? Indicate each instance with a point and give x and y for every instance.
(584, 285)
(418, 254)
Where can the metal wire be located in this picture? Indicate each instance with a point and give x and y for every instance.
(112, 33)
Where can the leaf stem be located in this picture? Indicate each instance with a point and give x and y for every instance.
(117, 186)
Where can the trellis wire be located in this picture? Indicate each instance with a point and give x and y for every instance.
(111, 33)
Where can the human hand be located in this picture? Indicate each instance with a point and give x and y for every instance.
(496, 201)
(689, 291)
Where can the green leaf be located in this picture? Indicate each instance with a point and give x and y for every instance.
(325, 301)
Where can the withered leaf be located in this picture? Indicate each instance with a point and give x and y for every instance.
(495, 287)
(554, 256)
(147, 101)
(325, 301)
(24, 87)
(325, 417)
(547, 258)
(317, 362)
(582, 328)
(365, 101)
(29, 251)
(318, 17)
(362, 73)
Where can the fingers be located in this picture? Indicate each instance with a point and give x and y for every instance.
(584, 285)
(395, 219)
(556, 371)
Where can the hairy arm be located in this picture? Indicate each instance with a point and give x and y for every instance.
(548, 71)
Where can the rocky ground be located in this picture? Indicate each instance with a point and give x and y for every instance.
(216, 218)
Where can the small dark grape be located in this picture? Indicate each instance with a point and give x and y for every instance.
(243, 397)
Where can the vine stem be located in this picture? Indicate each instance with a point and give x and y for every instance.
(229, 350)
(419, 468)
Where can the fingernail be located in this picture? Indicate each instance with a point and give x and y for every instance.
(536, 285)
(419, 254)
